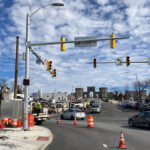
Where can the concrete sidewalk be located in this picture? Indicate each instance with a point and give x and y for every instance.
(37, 138)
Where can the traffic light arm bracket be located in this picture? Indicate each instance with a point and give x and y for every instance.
(67, 42)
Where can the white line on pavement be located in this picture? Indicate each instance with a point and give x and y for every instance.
(105, 145)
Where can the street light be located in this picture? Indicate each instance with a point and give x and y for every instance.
(26, 81)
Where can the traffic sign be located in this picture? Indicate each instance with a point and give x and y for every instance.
(119, 61)
(45, 61)
(85, 43)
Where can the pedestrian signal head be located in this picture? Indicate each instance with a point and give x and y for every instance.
(94, 63)
(127, 60)
(63, 45)
(49, 65)
(54, 73)
(112, 42)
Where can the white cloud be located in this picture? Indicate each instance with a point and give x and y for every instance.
(80, 18)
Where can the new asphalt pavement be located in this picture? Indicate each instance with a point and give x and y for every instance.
(105, 135)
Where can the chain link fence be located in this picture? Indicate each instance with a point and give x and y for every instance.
(11, 108)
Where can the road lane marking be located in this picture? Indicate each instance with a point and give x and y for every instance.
(105, 145)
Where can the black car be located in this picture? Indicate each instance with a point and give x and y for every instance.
(142, 119)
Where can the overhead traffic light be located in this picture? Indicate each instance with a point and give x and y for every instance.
(127, 60)
(54, 73)
(94, 63)
(63, 45)
(49, 65)
(112, 42)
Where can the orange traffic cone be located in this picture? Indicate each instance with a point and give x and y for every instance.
(122, 142)
(75, 121)
(58, 121)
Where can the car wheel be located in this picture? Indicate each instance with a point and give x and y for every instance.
(72, 117)
(82, 118)
(62, 117)
(131, 123)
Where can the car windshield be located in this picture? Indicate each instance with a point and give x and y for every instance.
(95, 105)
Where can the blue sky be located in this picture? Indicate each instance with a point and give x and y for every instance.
(98, 18)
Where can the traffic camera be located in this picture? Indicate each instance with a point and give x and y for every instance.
(127, 60)
(49, 65)
(63, 46)
(94, 63)
(54, 73)
(112, 42)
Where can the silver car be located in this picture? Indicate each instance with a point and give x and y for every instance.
(73, 113)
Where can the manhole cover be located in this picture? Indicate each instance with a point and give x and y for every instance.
(42, 138)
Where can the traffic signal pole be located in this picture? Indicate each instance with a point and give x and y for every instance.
(26, 88)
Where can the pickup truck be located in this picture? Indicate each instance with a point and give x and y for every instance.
(41, 117)
(95, 107)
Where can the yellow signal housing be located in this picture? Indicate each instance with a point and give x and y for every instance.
(112, 42)
(49, 65)
(54, 73)
(94, 63)
(63, 45)
(127, 60)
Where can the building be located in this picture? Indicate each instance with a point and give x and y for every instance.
(50, 96)
(90, 93)
(134, 94)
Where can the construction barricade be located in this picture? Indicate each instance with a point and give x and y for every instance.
(9, 121)
(30, 120)
(14, 123)
(5, 121)
(90, 122)
(1, 124)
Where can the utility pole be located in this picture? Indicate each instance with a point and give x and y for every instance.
(16, 68)
(138, 88)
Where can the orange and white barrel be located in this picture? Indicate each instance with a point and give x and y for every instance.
(5, 121)
(9, 121)
(90, 122)
(14, 123)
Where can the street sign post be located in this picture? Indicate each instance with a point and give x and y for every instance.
(85, 43)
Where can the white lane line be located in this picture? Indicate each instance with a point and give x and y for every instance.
(105, 145)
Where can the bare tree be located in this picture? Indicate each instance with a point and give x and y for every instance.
(3, 85)
(139, 86)
(126, 90)
(19, 89)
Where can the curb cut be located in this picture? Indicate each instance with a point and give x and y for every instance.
(49, 141)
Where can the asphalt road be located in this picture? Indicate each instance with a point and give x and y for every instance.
(104, 136)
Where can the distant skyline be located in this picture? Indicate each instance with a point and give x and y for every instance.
(77, 18)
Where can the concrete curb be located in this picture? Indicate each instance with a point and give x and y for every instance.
(49, 141)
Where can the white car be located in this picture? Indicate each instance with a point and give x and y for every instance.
(73, 113)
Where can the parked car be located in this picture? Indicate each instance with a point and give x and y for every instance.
(119, 104)
(73, 113)
(126, 104)
(95, 107)
(144, 107)
(104, 99)
(141, 119)
(135, 105)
